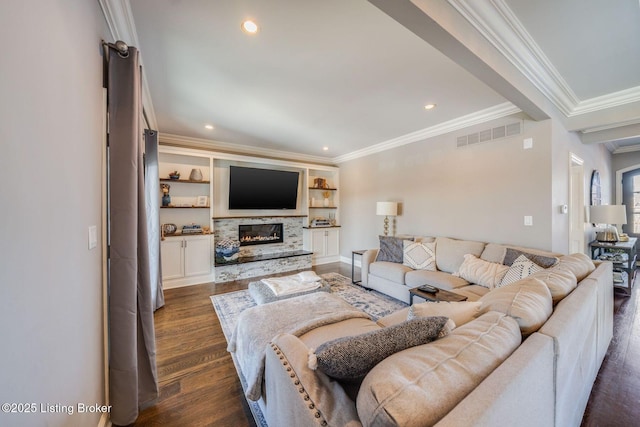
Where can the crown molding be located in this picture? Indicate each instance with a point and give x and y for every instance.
(227, 147)
(482, 116)
(626, 149)
(501, 27)
(119, 18)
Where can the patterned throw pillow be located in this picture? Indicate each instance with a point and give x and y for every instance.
(390, 249)
(521, 268)
(419, 256)
(543, 261)
(353, 357)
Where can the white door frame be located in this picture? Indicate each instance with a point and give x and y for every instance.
(576, 204)
(619, 173)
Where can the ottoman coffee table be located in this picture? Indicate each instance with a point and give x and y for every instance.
(440, 295)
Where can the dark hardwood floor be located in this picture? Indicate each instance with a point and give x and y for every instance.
(199, 385)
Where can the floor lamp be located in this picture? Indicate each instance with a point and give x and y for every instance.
(386, 209)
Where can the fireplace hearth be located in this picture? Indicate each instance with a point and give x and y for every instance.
(260, 234)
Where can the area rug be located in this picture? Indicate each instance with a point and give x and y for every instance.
(228, 306)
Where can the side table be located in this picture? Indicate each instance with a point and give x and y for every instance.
(353, 265)
(624, 257)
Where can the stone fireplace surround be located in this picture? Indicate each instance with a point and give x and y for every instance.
(262, 259)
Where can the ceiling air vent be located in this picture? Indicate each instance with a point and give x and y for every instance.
(489, 135)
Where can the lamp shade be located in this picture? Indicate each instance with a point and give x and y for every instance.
(387, 208)
(608, 214)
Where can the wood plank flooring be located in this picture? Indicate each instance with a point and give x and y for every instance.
(199, 385)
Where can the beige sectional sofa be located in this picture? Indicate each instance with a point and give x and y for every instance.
(528, 357)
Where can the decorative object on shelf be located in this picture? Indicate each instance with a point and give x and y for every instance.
(174, 175)
(386, 209)
(202, 201)
(313, 202)
(320, 183)
(206, 230)
(609, 216)
(326, 196)
(191, 229)
(332, 219)
(196, 175)
(166, 198)
(227, 249)
(169, 229)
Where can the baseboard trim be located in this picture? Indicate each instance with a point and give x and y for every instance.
(105, 421)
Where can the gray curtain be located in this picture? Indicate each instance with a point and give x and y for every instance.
(132, 353)
(152, 190)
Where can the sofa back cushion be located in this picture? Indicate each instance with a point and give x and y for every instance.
(528, 301)
(559, 279)
(579, 264)
(419, 386)
(450, 252)
(460, 312)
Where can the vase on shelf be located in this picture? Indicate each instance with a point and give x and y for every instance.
(196, 175)
(166, 200)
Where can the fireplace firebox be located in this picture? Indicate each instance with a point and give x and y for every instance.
(260, 234)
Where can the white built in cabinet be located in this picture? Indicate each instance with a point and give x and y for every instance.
(324, 243)
(184, 257)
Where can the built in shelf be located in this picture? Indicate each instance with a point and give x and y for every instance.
(258, 216)
(320, 228)
(326, 189)
(183, 181)
(263, 257)
(323, 207)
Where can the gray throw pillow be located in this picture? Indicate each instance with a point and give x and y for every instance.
(351, 358)
(391, 249)
(543, 261)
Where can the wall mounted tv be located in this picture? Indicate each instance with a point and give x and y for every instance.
(252, 188)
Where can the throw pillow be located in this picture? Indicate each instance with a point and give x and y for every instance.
(521, 268)
(543, 261)
(351, 358)
(528, 301)
(390, 249)
(419, 256)
(459, 312)
(481, 272)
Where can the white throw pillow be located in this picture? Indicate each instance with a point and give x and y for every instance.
(481, 272)
(460, 312)
(522, 267)
(419, 255)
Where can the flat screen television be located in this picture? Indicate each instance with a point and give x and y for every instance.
(253, 188)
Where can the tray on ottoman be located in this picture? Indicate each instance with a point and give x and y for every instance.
(262, 293)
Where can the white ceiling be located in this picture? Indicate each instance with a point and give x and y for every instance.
(354, 76)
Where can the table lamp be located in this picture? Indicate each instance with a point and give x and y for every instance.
(609, 215)
(387, 209)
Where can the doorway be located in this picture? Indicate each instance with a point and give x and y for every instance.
(576, 204)
(631, 200)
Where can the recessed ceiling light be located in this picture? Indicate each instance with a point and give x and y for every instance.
(325, 148)
(210, 127)
(249, 27)
(430, 106)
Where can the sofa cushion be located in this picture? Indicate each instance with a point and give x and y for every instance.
(419, 255)
(472, 292)
(528, 301)
(521, 268)
(394, 318)
(390, 249)
(352, 357)
(481, 272)
(460, 312)
(420, 385)
(511, 255)
(559, 279)
(450, 252)
(439, 279)
(389, 270)
(579, 264)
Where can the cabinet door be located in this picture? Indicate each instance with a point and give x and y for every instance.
(332, 244)
(318, 243)
(197, 256)
(171, 258)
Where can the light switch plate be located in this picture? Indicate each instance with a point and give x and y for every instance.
(93, 236)
(528, 220)
(527, 143)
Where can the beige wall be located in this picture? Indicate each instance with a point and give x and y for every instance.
(480, 192)
(50, 138)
